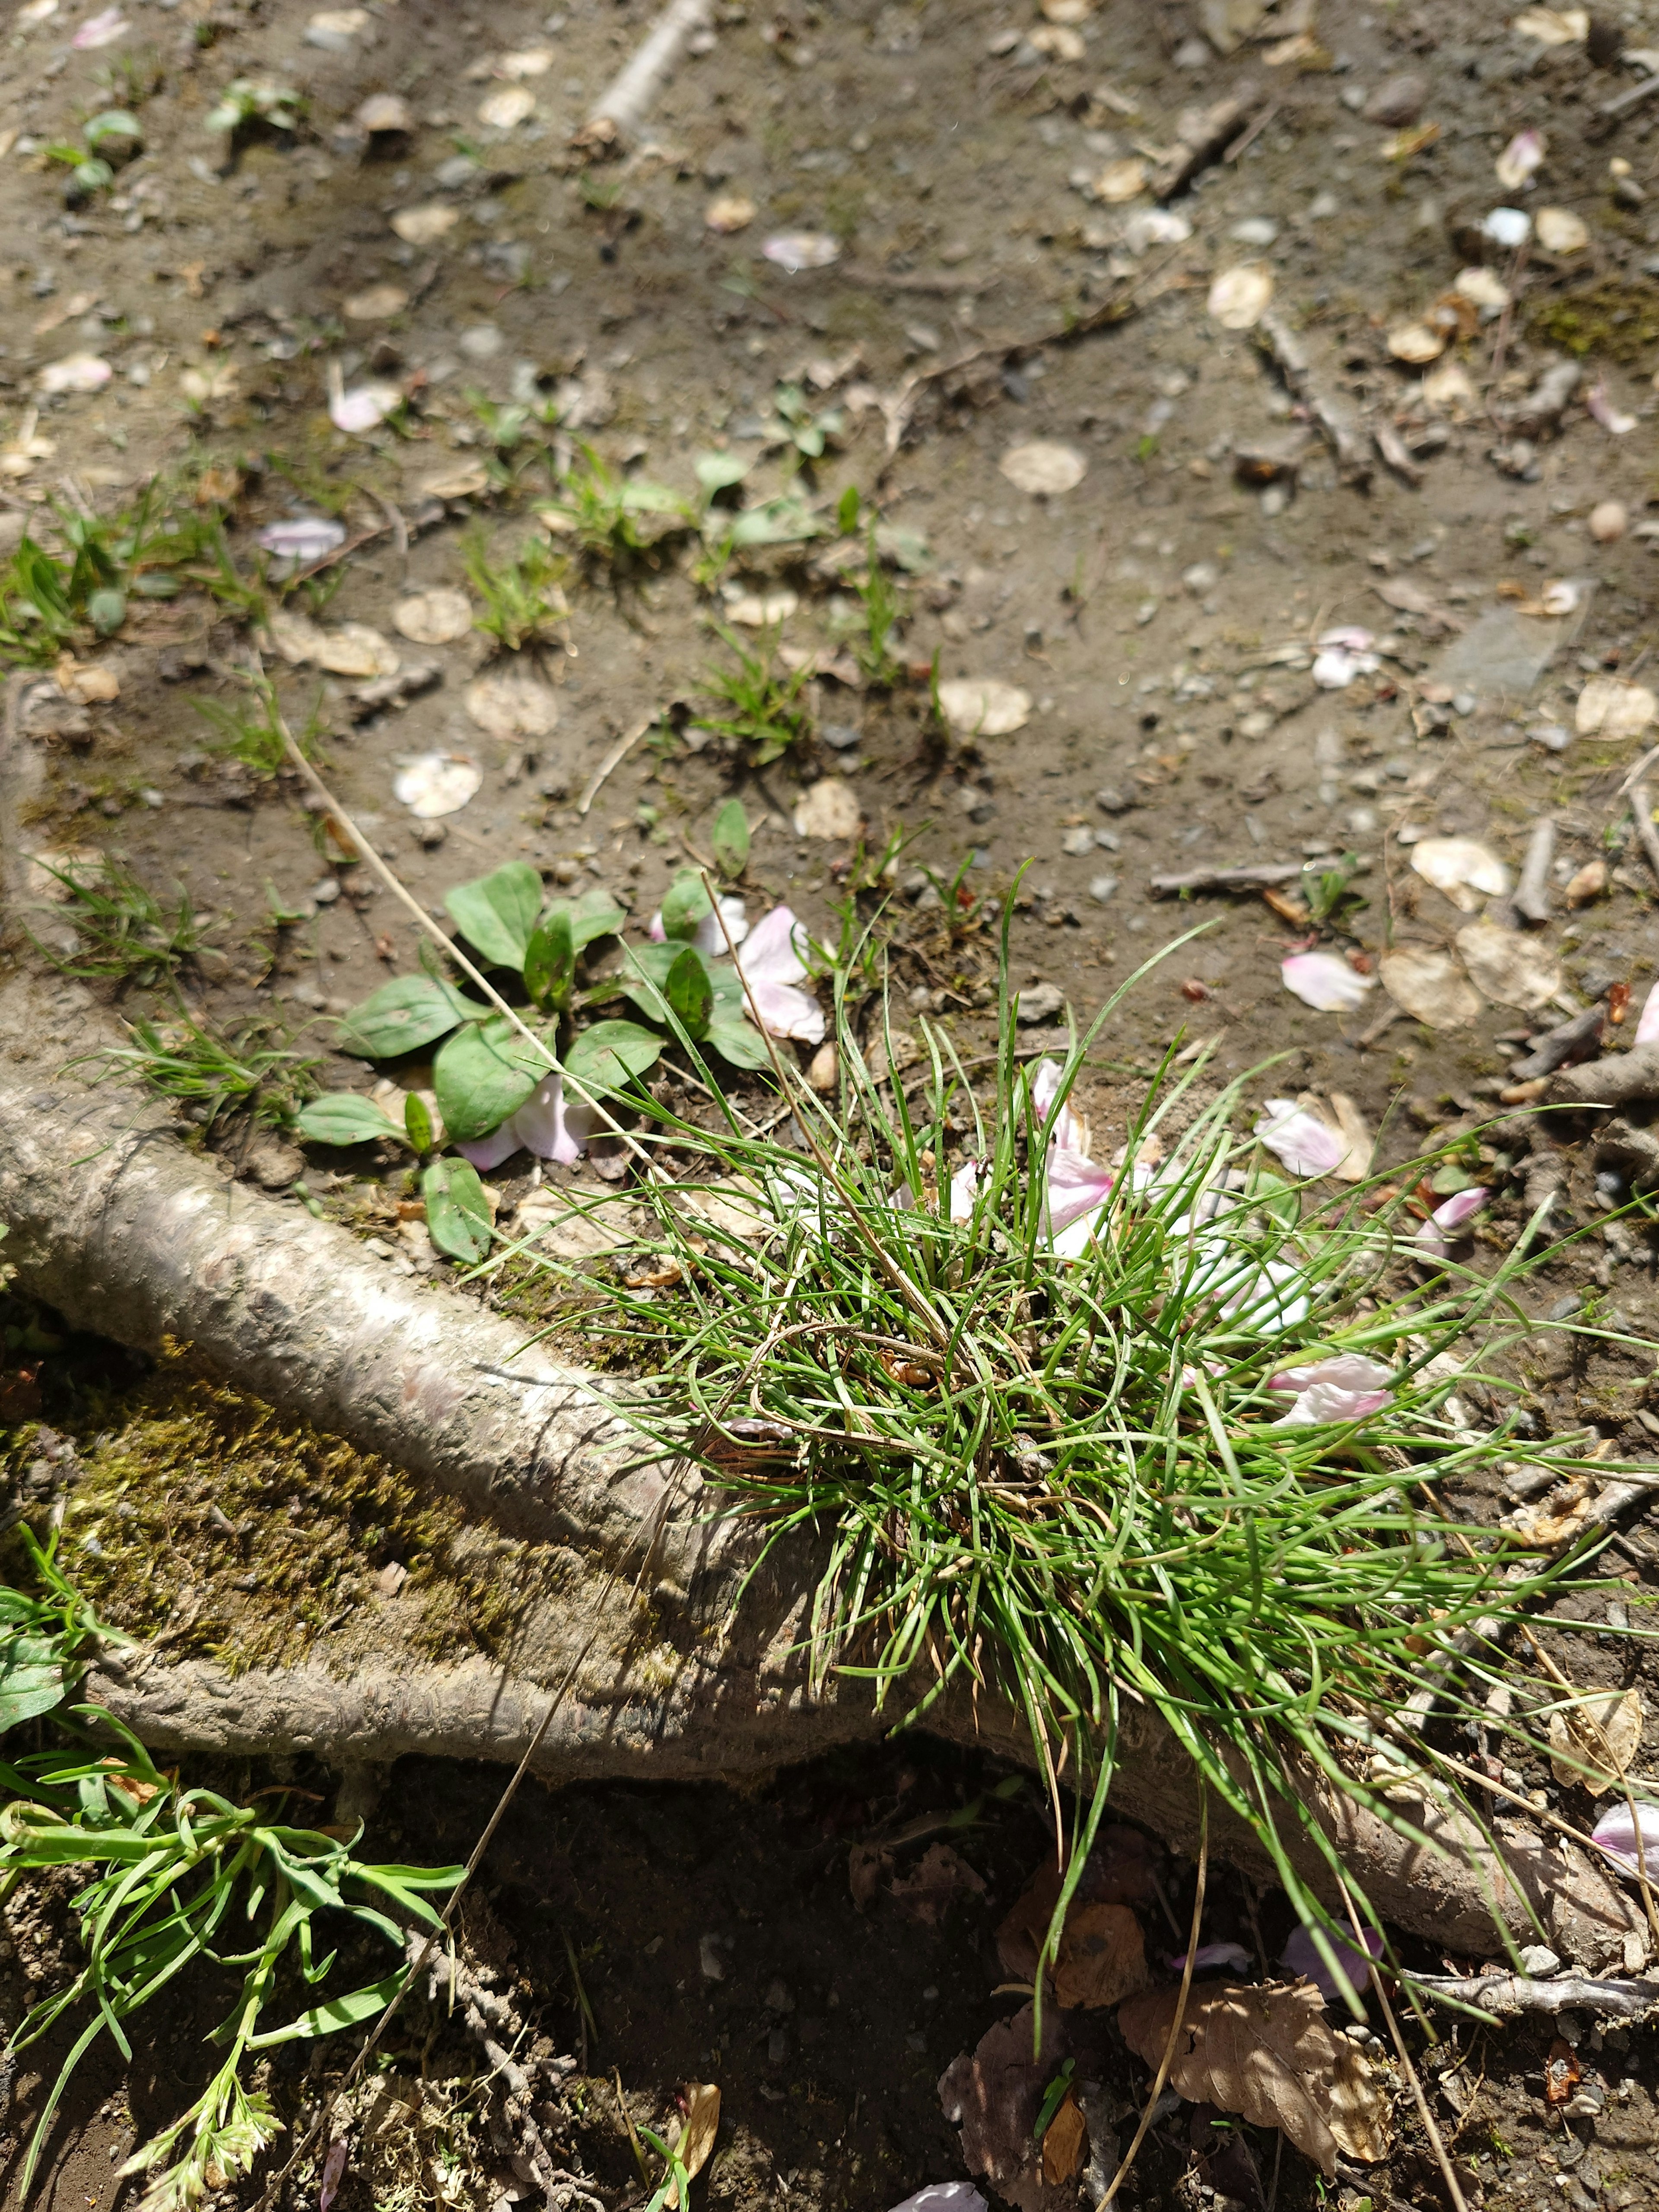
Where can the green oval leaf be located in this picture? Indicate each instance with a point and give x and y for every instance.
(730, 839)
(402, 1015)
(606, 1056)
(549, 960)
(484, 1072)
(595, 914)
(738, 1043)
(684, 905)
(458, 1218)
(417, 1122)
(498, 911)
(345, 1118)
(31, 1678)
(720, 472)
(690, 994)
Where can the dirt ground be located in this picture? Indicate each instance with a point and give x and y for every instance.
(1162, 615)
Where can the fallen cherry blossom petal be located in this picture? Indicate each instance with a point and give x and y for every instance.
(708, 936)
(796, 250)
(1306, 1145)
(1519, 160)
(1508, 227)
(364, 408)
(945, 2197)
(100, 30)
(1613, 419)
(1647, 1026)
(435, 784)
(1335, 668)
(1630, 1837)
(964, 1188)
(1446, 1219)
(1301, 1956)
(771, 965)
(1325, 982)
(76, 372)
(333, 2168)
(1067, 1131)
(543, 1124)
(303, 538)
(1346, 1386)
(1215, 1955)
(1350, 636)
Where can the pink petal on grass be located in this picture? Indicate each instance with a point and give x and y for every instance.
(1214, 1954)
(1323, 981)
(1346, 1386)
(1299, 1956)
(1076, 1186)
(1306, 1145)
(334, 2166)
(964, 1188)
(1447, 1219)
(1630, 1839)
(1068, 1130)
(487, 1152)
(1647, 1028)
(771, 965)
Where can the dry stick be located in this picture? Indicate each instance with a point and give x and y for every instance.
(1641, 807)
(1460, 2202)
(623, 103)
(613, 759)
(1168, 2059)
(436, 1936)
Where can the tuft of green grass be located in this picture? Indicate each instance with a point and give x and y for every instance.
(1069, 1480)
(245, 1071)
(883, 618)
(761, 707)
(523, 600)
(611, 516)
(124, 933)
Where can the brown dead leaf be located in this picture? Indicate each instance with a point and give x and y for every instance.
(930, 1888)
(702, 2119)
(1122, 1870)
(994, 2095)
(1356, 1162)
(1562, 2073)
(1594, 1741)
(864, 1869)
(1063, 2141)
(1102, 1957)
(1268, 2054)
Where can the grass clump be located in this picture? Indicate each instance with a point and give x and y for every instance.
(1070, 1479)
(123, 932)
(760, 708)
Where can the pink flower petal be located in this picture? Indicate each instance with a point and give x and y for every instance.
(1647, 1028)
(1300, 1957)
(1347, 1370)
(1214, 1954)
(364, 408)
(1335, 668)
(1320, 979)
(303, 538)
(771, 964)
(1447, 1219)
(546, 1125)
(1352, 639)
(1075, 1186)
(945, 2197)
(333, 2168)
(1629, 1839)
(100, 30)
(1328, 1402)
(964, 1188)
(1306, 1145)
(487, 1152)
(709, 937)
(1067, 1131)
(784, 1012)
(1613, 419)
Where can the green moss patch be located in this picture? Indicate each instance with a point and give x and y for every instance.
(1617, 319)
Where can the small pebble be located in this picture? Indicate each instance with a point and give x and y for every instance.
(1101, 889)
(1397, 101)
(1539, 1960)
(325, 892)
(1077, 843)
(1608, 521)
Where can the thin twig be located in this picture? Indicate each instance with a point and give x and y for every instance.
(1168, 2059)
(1460, 2202)
(613, 759)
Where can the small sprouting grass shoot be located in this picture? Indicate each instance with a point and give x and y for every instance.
(760, 707)
(253, 1071)
(1065, 1475)
(523, 601)
(125, 934)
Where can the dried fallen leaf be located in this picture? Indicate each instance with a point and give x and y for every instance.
(1586, 884)
(1416, 342)
(436, 617)
(1562, 2073)
(1610, 707)
(1355, 1163)
(1554, 27)
(828, 808)
(1239, 297)
(1594, 1741)
(1120, 180)
(1520, 159)
(1269, 2054)
(993, 2096)
(1467, 871)
(734, 211)
(696, 2138)
(425, 225)
(1043, 468)
(1515, 970)
(1102, 1957)
(1429, 987)
(376, 304)
(1063, 2141)
(934, 1884)
(1122, 1870)
(460, 480)
(86, 682)
(511, 706)
(1561, 231)
(435, 784)
(511, 105)
(984, 707)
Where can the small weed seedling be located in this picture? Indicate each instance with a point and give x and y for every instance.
(125, 934)
(610, 515)
(523, 599)
(106, 141)
(884, 617)
(249, 103)
(212, 1075)
(794, 424)
(762, 706)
